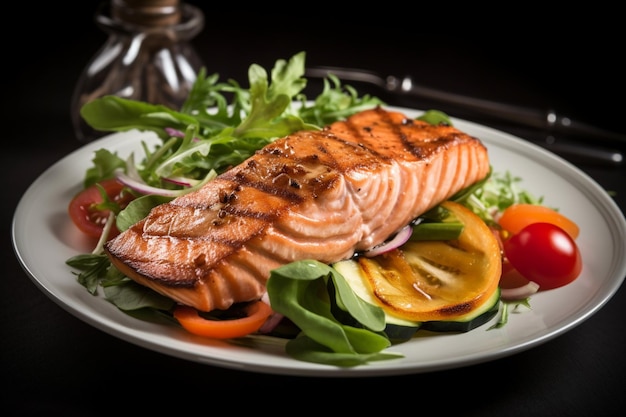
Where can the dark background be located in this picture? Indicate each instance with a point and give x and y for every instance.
(54, 363)
(577, 75)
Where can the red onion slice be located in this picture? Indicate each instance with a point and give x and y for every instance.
(519, 293)
(182, 181)
(273, 320)
(398, 240)
(144, 188)
(175, 132)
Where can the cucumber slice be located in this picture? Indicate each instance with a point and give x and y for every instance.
(470, 321)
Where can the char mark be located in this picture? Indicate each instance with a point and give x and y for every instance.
(273, 184)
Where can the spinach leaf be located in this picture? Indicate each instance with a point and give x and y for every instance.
(300, 291)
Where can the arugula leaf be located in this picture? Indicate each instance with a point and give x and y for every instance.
(494, 194)
(268, 102)
(505, 307)
(104, 165)
(335, 102)
(93, 269)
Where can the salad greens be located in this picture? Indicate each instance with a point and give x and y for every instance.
(220, 125)
(298, 290)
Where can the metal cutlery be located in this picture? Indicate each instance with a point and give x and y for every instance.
(547, 121)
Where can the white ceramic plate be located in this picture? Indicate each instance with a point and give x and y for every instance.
(44, 242)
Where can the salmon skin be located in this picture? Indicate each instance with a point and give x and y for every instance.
(323, 195)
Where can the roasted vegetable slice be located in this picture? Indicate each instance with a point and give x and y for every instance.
(431, 280)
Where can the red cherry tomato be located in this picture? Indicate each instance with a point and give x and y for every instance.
(544, 253)
(89, 218)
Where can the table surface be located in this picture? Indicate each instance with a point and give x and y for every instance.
(54, 362)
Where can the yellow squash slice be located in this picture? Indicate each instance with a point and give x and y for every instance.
(433, 280)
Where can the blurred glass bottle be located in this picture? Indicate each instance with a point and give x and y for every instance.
(147, 56)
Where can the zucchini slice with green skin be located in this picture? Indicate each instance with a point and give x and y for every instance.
(397, 329)
(469, 321)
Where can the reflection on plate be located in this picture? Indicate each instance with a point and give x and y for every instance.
(44, 242)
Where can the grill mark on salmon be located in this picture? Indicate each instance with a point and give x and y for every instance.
(312, 195)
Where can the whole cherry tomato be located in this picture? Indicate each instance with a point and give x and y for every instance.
(544, 253)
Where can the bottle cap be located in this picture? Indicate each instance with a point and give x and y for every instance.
(147, 12)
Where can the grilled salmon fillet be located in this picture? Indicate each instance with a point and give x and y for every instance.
(320, 195)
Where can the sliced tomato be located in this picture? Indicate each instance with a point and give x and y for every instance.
(84, 210)
(518, 216)
(256, 314)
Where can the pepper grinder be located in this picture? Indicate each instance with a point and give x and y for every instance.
(147, 56)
